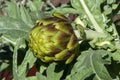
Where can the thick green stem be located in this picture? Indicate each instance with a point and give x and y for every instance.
(90, 34)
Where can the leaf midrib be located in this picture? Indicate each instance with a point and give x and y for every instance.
(90, 16)
(92, 65)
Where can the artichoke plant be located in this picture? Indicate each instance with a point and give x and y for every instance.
(53, 39)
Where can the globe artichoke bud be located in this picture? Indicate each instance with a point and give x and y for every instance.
(53, 39)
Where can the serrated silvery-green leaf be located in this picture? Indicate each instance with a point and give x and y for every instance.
(32, 6)
(116, 55)
(18, 11)
(15, 68)
(36, 15)
(42, 68)
(12, 9)
(29, 59)
(3, 66)
(31, 78)
(51, 74)
(13, 29)
(65, 10)
(76, 4)
(91, 8)
(88, 63)
(40, 76)
(25, 15)
(35, 5)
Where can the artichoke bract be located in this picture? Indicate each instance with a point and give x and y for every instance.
(53, 39)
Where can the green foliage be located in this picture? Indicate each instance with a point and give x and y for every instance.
(90, 63)
(15, 70)
(23, 67)
(50, 73)
(100, 49)
(13, 29)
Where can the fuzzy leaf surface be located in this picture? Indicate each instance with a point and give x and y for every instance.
(90, 63)
(13, 29)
